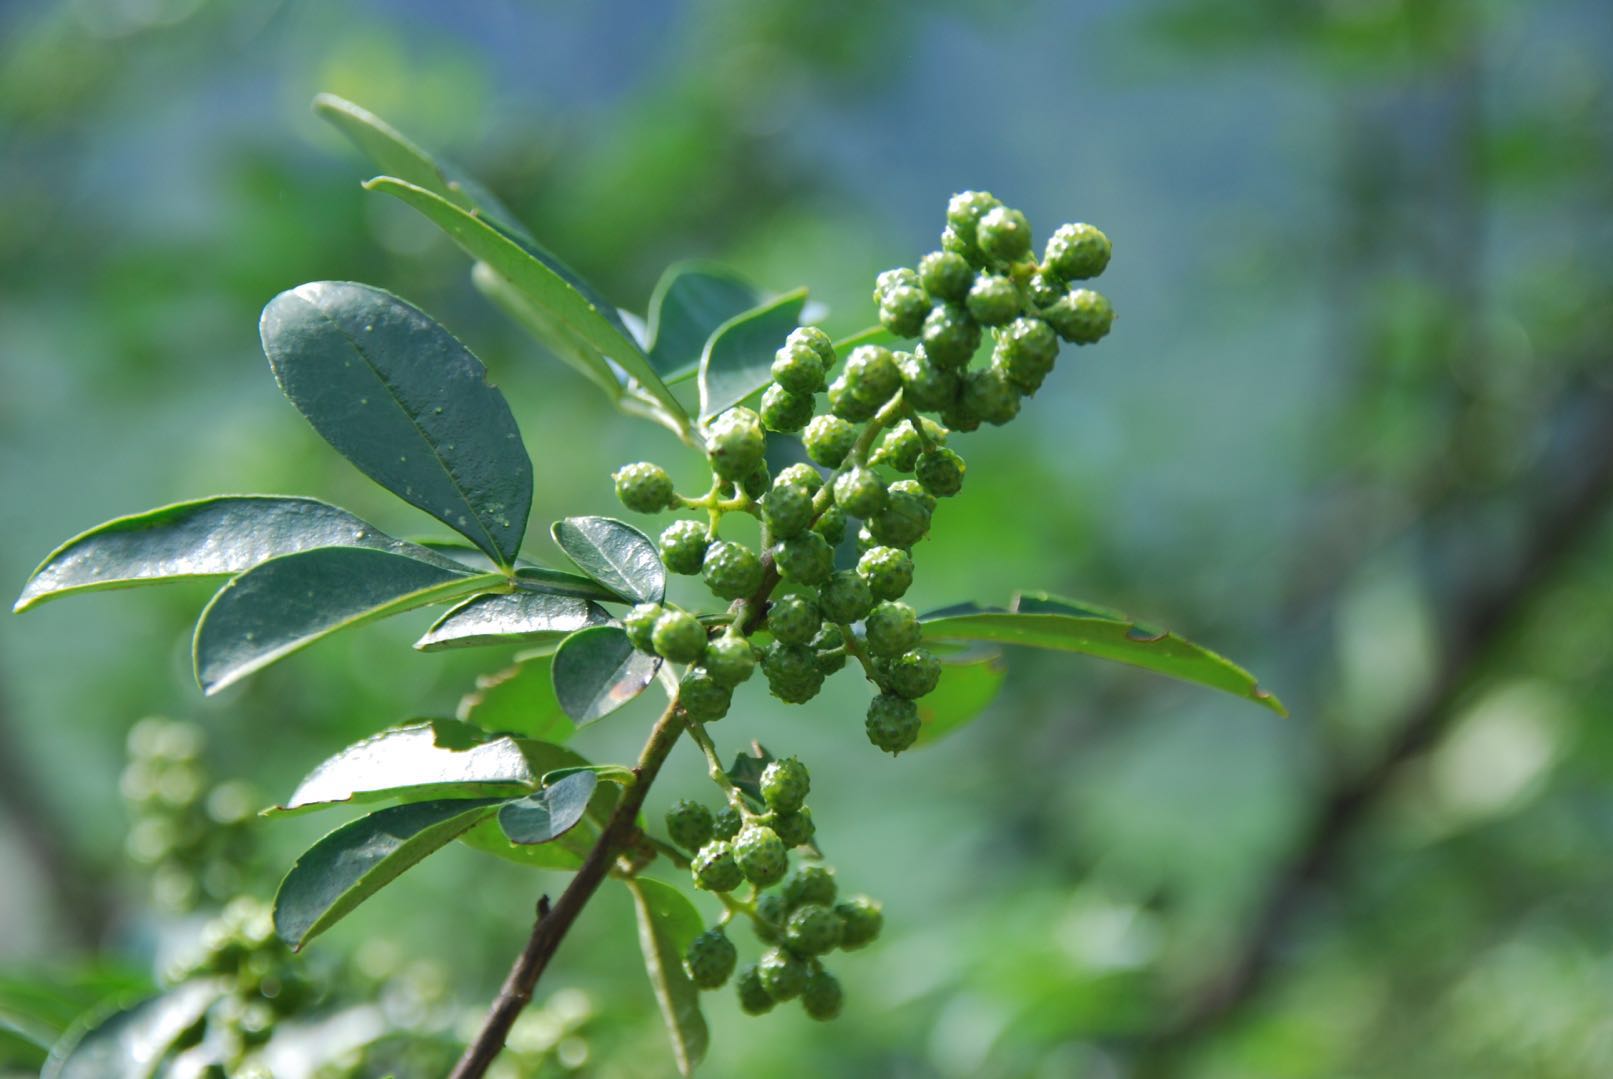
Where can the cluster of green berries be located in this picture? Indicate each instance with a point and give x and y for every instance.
(796, 914)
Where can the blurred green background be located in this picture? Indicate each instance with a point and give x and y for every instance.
(1354, 428)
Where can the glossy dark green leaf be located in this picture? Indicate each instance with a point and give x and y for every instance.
(746, 773)
(619, 774)
(738, 358)
(539, 278)
(569, 850)
(519, 699)
(1118, 640)
(550, 331)
(210, 537)
(549, 813)
(1047, 603)
(511, 618)
(403, 400)
(133, 1043)
(290, 602)
(689, 303)
(358, 859)
(968, 686)
(667, 923)
(615, 554)
(597, 670)
(561, 583)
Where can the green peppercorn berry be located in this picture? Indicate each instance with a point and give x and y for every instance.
(904, 488)
(903, 309)
(783, 974)
(900, 448)
(966, 210)
(946, 276)
(913, 674)
(828, 439)
(805, 559)
(679, 636)
(710, 959)
(683, 546)
(829, 637)
(903, 522)
(784, 411)
(831, 662)
(730, 660)
(726, 822)
(731, 570)
(953, 243)
(714, 868)
(861, 920)
(958, 416)
(640, 625)
(798, 368)
(831, 525)
(793, 829)
(735, 443)
(771, 913)
(993, 300)
(1004, 235)
(924, 384)
(988, 394)
(801, 474)
(1044, 289)
(893, 723)
(792, 672)
(785, 784)
(1076, 252)
(865, 541)
(846, 403)
(860, 492)
(941, 471)
(901, 277)
(888, 571)
(809, 884)
(872, 373)
(815, 339)
(892, 627)
(702, 698)
(1025, 353)
(845, 597)
(822, 997)
(757, 481)
(644, 487)
(951, 335)
(754, 999)
(787, 509)
(1083, 316)
(812, 930)
(760, 855)
(794, 618)
(689, 824)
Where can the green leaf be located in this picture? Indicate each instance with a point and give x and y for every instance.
(549, 813)
(873, 335)
(210, 537)
(615, 554)
(134, 1042)
(358, 859)
(738, 358)
(544, 283)
(597, 670)
(620, 774)
(511, 618)
(746, 773)
(566, 344)
(519, 699)
(290, 602)
(667, 923)
(38, 1008)
(689, 303)
(434, 759)
(398, 396)
(967, 688)
(560, 583)
(1044, 625)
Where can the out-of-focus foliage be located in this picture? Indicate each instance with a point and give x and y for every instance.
(1362, 269)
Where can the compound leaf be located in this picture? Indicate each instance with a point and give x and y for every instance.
(597, 670)
(667, 923)
(615, 554)
(738, 358)
(515, 617)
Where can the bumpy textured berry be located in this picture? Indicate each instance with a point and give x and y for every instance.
(710, 959)
(771, 913)
(783, 974)
(993, 300)
(812, 930)
(951, 335)
(1082, 316)
(913, 488)
(1076, 252)
(714, 868)
(703, 698)
(946, 276)
(805, 559)
(794, 618)
(644, 487)
(640, 625)
(953, 243)
(903, 309)
(756, 481)
(689, 824)
(731, 570)
(831, 662)
(785, 784)
(848, 404)
(787, 509)
(679, 636)
(754, 999)
(760, 854)
(1025, 353)
(798, 368)
(730, 660)
(683, 546)
(957, 415)
(925, 384)
(726, 822)
(1004, 235)
(964, 213)
(793, 829)
(893, 723)
(802, 475)
(940, 471)
(900, 448)
(735, 443)
(913, 674)
(888, 571)
(904, 521)
(1044, 289)
(892, 628)
(809, 884)
(845, 597)
(828, 439)
(816, 340)
(831, 525)
(889, 280)
(860, 492)
(988, 394)
(792, 672)
(871, 373)
(822, 997)
(784, 411)
(861, 920)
